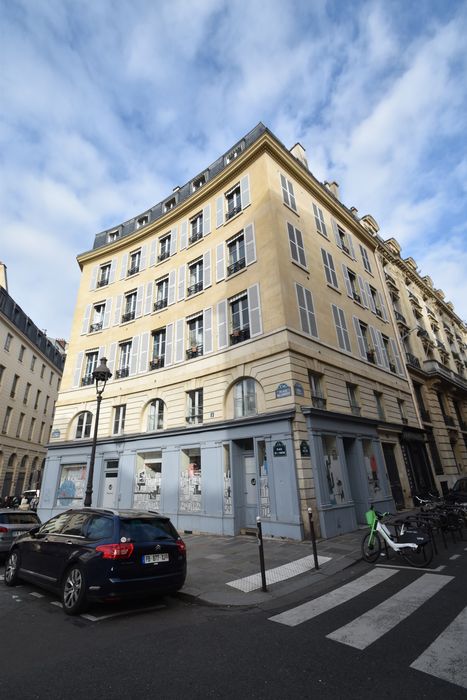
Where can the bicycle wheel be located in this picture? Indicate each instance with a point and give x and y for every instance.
(371, 551)
(421, 556)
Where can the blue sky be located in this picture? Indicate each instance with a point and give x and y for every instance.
(106, 106)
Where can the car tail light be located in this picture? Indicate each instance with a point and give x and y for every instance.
(3, 529)
(181, 546)
(122, 550)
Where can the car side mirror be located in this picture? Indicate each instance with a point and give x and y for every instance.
(34, 530)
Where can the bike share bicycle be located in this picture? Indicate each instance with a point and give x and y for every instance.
(413, 544)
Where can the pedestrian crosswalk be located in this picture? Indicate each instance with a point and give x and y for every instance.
(443, 658)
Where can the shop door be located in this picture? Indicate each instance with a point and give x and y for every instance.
(393, 474)
(110, 490)
(357, 480)
(250, 483)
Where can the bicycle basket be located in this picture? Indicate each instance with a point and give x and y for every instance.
(371, 518)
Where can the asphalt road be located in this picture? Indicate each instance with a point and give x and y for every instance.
(325, 647)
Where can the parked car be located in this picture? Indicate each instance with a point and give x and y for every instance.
(88, 554)
(14, 523)
(458, 493)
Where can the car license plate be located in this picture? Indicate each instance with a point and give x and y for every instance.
(155, 558)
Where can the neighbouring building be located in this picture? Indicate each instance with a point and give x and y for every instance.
(258, 369)
(31, 368)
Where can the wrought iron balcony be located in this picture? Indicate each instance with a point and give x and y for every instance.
(122, 372)
(441, 346)
(194, 351)
(233, 211)
(239, 335)
(194, 418)
(87, 380)
(160, 304)
(94, 327)
(400, 317)
(379, 312)
(129, 316)
(370, 356)
(195, 237)
(194, 289)
(236, 266)
(163, 256)
(318, 401)
(357, 297)
(345, 249)
(133, 270)
(412, 360)
(157, 362)
(103, 282)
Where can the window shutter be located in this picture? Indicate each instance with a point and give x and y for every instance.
(363, 293)
(383, 306)
(285, 191)
(222, 340)
(134, 355)
(250, 245)
(397, 357)
(118, 310)
(143, 259)
(77, 372)
(183, 234)
(171, 292)
(113, 270)
(179, 333)
(169, 334)
(124, 267)
(101, 353)
(173, 240)
(206, 220)
(377, 346)
(302, 308)
(87, 314)
(139, 301)
(311, 313)
(336, 234)
(207, 331)
(181, 282)
(107, 313)
(220, 265)
(351, 248)
(94, 274)
(148, 299)
(254, 311)
(384, 353)
(153, 253)
(245, 191)
(112, 355)
(219, 210)
(348, 284)
(207, 269)
(359, 334)
(337, 322)
(300, 247)
(143, 357)
(371, 301)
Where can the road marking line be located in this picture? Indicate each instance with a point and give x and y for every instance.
(56, 603)
(455, 556)
(372, 625)
(93, 618)
(37, 595)
(280, 573)
(445, 657)
(313, 608)
(439, 568)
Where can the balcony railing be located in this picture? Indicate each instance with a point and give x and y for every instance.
(355, 409)
(425, 415)
(357, 297)
(239, 335)
(87, 380)
(194, 351)
(370, 356)
(441, 346)
(163, 256)
(133, 270)
(392, 368)
(412, 360)
(233, 211)
(103, 282)
(345, 249)
(378, 312)
(160, 304)
(194, 418)
(400, 317)
(449, 420)
(122, 372)
(157, 362)
(194, 289)
(195, 237)
(236, 266)
(94, 327)
(318, 401)
(129, 316)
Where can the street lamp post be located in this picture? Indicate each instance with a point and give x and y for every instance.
(100, 375)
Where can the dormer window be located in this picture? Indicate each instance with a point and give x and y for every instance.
(170, 204)
(198, 182)
(142, 221)
(112, 236)
(233, 154)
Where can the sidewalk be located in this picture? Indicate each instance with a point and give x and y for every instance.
(225, 571)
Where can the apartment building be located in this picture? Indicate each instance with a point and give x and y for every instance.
(31, 367)
(257, 366)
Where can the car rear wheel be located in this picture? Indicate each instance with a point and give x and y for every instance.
(12, 565)
(74, 591)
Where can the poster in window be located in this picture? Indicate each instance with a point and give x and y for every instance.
(72, 485)
(147, 487)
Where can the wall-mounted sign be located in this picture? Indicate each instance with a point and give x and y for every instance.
(298, 389)
(283, 390)
(55, 433)
(304, 448)
(279, 449)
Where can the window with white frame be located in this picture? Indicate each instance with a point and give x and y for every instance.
(329, 269)
(129, 307)
(365, 259)
(297, 249)
(352, 393)
(306, 311)
(162, 294)
(112, 236)
(119, 419)
(83, 425)
(164, 248)
(355, 290)
(158, 349)
(239, 319)
(195, 406)
(142, 221)
(90, 365)
(195, 277)
(104, 275)
(379, 405)
(195, 337)
(8, 341)
(233, 202)
(236, 254)
(318, 399)
(135, 261)
(156, 415)
(319, 220)
(402, 411)
(343, 339)
(97, 317)
(366, 348)
(288, 193)
(375, 302)
(245, 398)
(124, 360)
(196, 228)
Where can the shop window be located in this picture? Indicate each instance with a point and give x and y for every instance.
(333, 472)
(371, 468)
(228, 505)
(190, 481)
(148, 482)
(72, 485)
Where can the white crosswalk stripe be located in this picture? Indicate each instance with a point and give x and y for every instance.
(372, 625)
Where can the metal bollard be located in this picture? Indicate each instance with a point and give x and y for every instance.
(313, 537)
(261, 554)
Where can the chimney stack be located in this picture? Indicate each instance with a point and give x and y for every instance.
(300, 154)
(333, 188)
(3, 277)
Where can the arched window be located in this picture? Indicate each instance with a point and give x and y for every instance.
(156, 415)
(83, 426)
(245, 398)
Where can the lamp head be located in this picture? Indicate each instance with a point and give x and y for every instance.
(101, 375)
